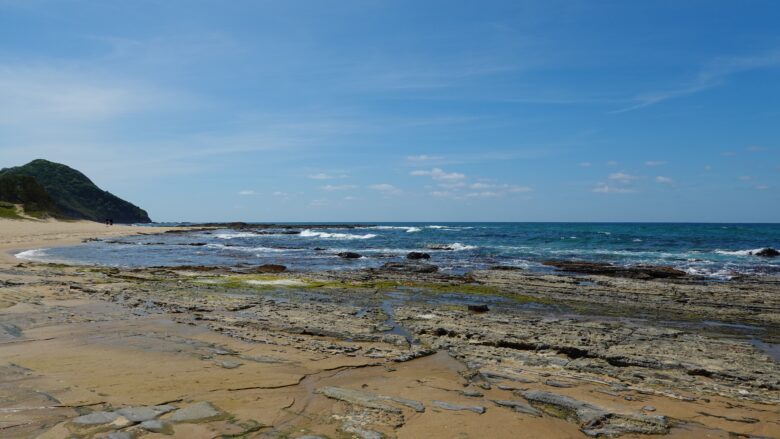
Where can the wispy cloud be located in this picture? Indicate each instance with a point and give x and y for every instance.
(385, 188)
(607, 189)
(585, 164)
(340, 187)
(662, 179)
(622, 177)
(246, 192)
(423, 158)
(326, 176)
(654, 163)
(714, 74)
(439, 174)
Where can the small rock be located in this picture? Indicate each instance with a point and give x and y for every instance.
(479, 308)
(349, 255)
(417, 256)
(120, 435)
(456, 407)
(559, 384)
(228, 364)
(768, 252)
(518, 406)
(201, 411)
(141, 414)
(472, 394)
(96, 418)
(648, 408)
(157, 426)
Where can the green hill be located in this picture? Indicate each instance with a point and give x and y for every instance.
(73, 194)
(25, 190)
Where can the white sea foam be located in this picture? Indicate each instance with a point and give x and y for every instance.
(234, 235)
(739, 252)
(407, 229)
(325, 235)
(456, 246)
(38, 254)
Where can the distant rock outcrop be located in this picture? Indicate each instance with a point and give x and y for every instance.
(73, 194)
(768, 252)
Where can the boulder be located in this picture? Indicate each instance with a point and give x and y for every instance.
(415, 256)
(410, 267)
(479, 308)
(270, 268)
(768, 252)
(349, 255)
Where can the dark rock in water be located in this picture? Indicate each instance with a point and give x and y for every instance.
(349, 255)
(270, 268)
(410, 267)
(319, 249)
(417, 256)
(479, 308)
(635, 272)
(768, 252)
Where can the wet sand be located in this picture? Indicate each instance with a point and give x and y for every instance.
(226, 356)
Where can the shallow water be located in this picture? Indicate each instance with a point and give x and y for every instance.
(718, 251)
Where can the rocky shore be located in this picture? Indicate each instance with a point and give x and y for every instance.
(401, 351)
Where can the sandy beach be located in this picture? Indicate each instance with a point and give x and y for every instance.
(200, 352)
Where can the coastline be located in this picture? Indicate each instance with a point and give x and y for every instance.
(20, 235)
(333, 353)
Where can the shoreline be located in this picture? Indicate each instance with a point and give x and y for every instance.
(373, 351)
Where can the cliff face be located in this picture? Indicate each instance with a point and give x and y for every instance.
(74, 195)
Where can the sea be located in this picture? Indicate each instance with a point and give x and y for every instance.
(714, 251)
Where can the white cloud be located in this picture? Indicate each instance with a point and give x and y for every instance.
(606, 189)
(481, 186)
(518, 189)
(662, 179)
(612, 163)
(707, 167)
(483, 194)
(385, 188)
(622, 177)
(654, 163)
(439, 174)
(586, 164)
(762, 187)
(423, 158)
(246, 192)
(325, 176)
(756, 148)
(443, 194)
(746, 177)
(341, 187)
(319, 202)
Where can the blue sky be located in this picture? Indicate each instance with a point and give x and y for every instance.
(399, 110)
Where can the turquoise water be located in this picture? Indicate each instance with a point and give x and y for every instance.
(718, 251)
